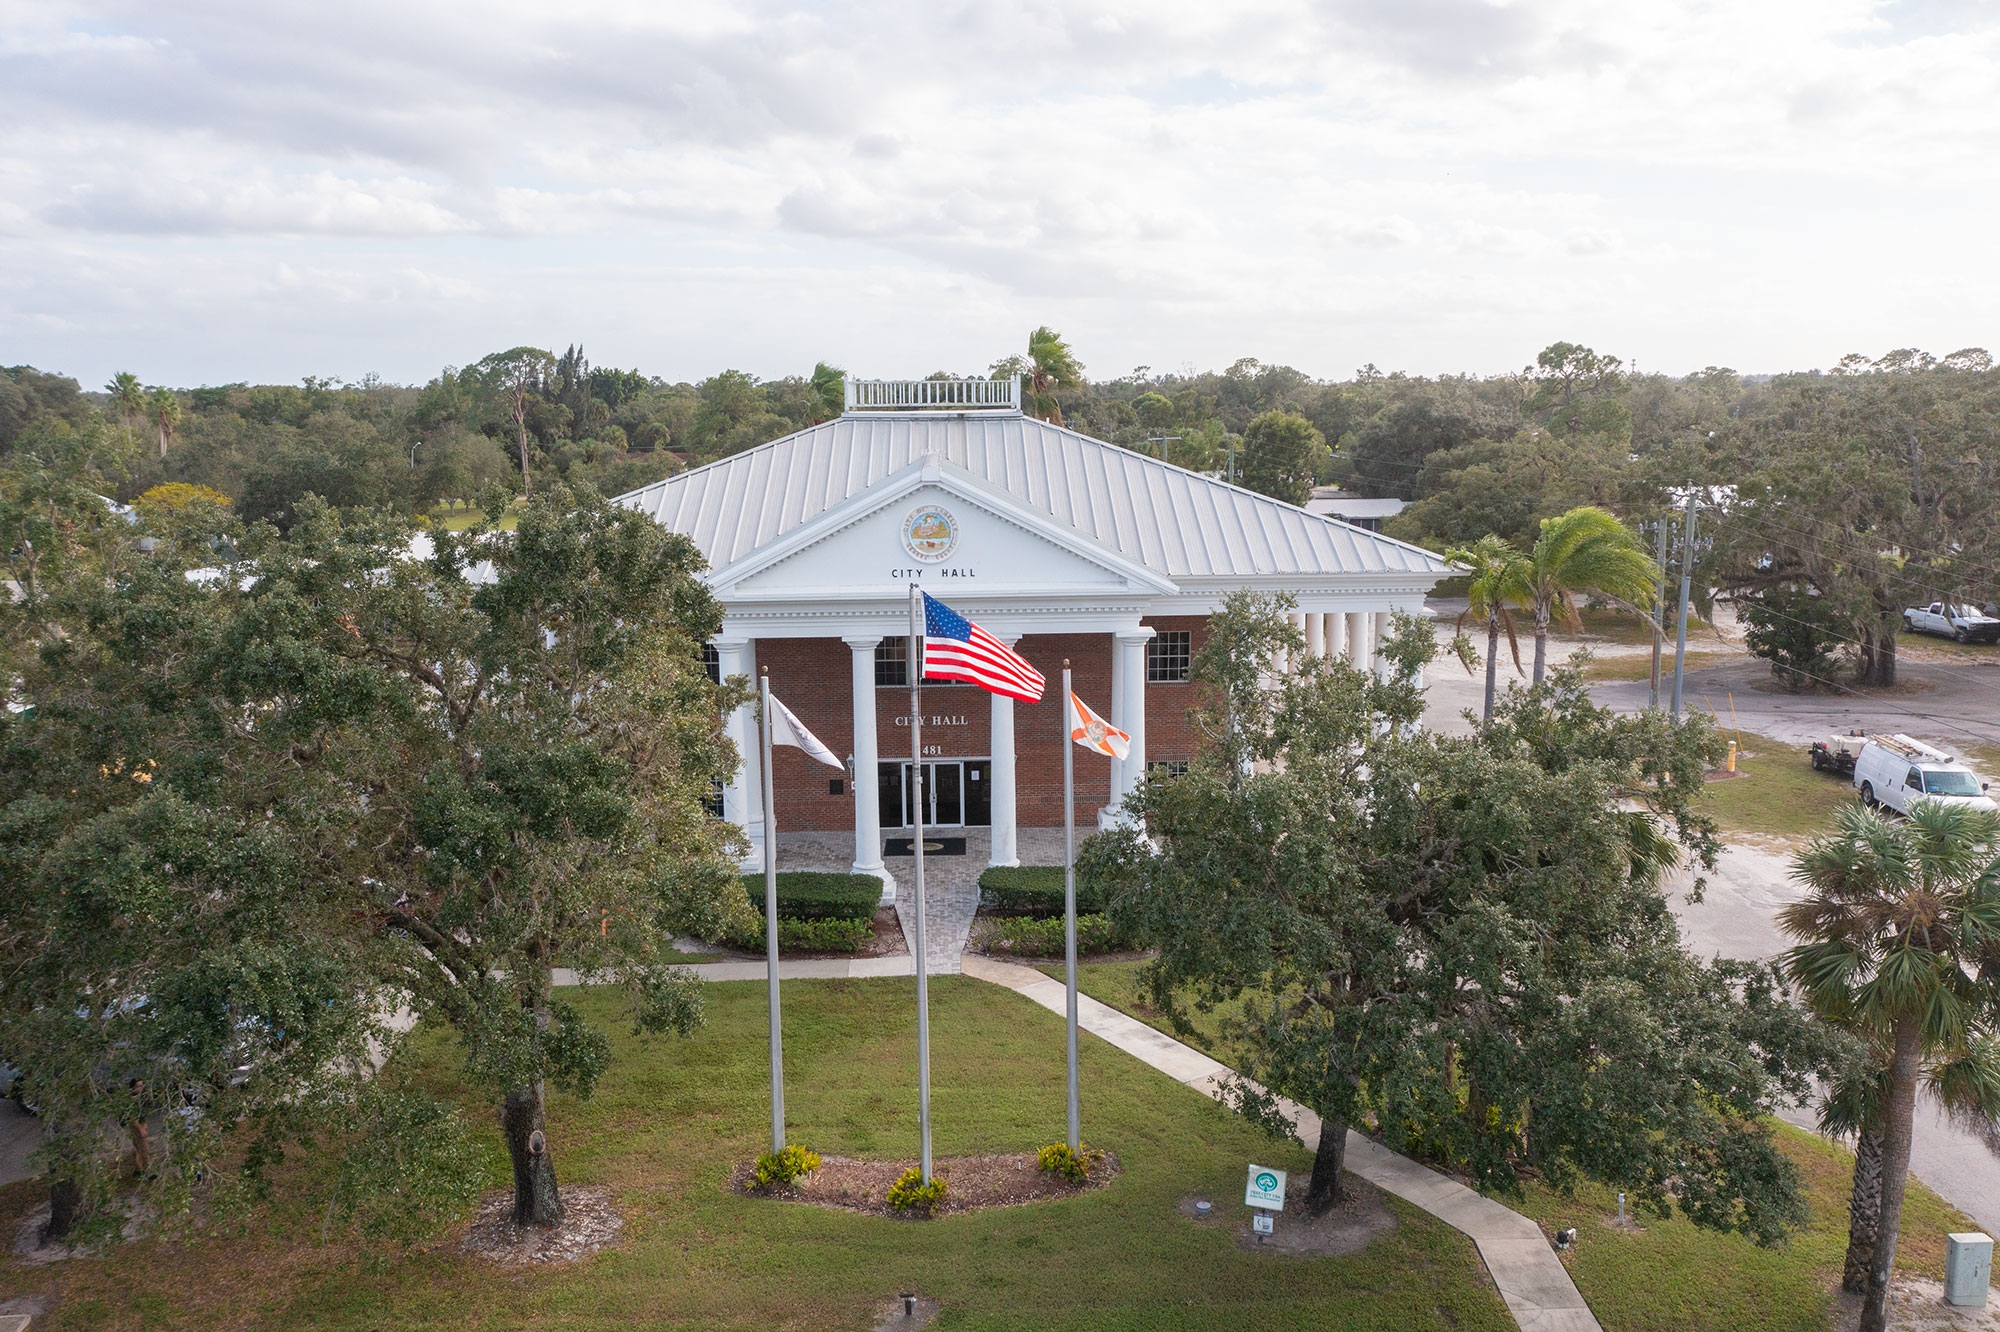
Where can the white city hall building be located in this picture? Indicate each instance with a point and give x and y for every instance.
(1064, 546)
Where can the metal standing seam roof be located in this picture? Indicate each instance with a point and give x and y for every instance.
(1178, 523)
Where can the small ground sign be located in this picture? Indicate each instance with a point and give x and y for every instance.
(1266, 1189)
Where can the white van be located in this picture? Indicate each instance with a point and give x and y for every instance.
(1896, 771)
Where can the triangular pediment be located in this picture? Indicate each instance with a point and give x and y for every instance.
(939, 527)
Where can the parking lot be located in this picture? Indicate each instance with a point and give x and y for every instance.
(1947, 696)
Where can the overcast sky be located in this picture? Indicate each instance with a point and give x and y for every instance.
(205, 192)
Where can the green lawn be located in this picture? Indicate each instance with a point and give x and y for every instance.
(1777, 792)
(1671, 1276)
(458, 519)
(674, 1118)
(1639, 665)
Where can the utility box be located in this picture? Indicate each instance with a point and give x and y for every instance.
(1968, 1269)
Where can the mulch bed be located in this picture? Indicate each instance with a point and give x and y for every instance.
(972, 1183)
(1348, 1227)
(886, 936)
(591, 1221)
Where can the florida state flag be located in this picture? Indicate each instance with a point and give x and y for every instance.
(1093, 732)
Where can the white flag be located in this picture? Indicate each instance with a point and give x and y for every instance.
(789, 730)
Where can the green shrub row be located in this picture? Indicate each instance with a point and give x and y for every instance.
(818, 894)
(805, 936)
(1026, 936)
(1034, 890)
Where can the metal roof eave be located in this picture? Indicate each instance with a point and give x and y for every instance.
(956, 481)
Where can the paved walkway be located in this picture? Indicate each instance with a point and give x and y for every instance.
(1531, 1278)
(951, 883)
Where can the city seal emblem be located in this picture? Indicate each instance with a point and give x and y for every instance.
(930, 534)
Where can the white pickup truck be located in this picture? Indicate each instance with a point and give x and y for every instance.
(1962, 623)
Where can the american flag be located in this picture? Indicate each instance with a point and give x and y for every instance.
(957, 649)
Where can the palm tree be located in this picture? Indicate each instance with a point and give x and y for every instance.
(1053, 367)
(1965, 1084)
(127, 396)
(1584, 551)
(1499, 585)
(1900, 939)
(165, 409)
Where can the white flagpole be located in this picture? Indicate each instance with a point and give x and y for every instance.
(1069, 905)
(771, 922)
(917, 849)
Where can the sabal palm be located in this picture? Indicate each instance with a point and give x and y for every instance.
(127, 396)
(1499, 587)
(1900, 940)
(1584, 551)
(165, 409)
(1052, 366)
(1964, 1081)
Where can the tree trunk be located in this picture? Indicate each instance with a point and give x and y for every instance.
(1898, 1126)
(1492, 662)
(1864, 1210)
(1541, 644)
(521, 425)
(1878, 656)
(1324, 1191)
(65, 1210)
(536, 1202)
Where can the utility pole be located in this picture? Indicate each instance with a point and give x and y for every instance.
(1659, 610)
(1681, 635)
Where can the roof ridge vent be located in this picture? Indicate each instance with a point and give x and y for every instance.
(999, 396)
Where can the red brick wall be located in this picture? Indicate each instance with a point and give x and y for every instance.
(812, 676)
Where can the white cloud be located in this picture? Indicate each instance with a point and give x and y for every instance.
(1429, 184)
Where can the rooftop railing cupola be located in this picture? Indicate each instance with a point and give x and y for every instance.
(934, 395)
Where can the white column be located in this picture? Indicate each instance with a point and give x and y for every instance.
(1315, 635)
(743, 795)
(1357, 640)
(1336, 634)
(1006, 842)
(1298, 623)
(1377, 661)
(867, 800)
(1128, 708)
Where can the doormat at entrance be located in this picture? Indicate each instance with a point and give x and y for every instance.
(933, 846)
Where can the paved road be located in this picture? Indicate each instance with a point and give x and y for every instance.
(1947, 695)
(1950, 698)
(1735, 919)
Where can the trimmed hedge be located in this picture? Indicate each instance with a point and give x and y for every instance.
(819, 895)
(1027, 936)
(805, 936)
(1035, 890)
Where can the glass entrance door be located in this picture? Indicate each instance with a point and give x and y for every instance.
(955, 794)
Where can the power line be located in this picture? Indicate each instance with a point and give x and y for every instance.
(1971, 574)
(1945, 670)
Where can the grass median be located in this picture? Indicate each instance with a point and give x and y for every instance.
(1777, 792)
(674, 1118)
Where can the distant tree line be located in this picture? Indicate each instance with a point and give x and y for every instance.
(1833, 500)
